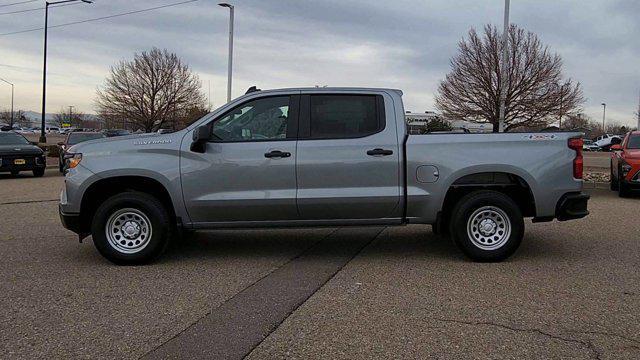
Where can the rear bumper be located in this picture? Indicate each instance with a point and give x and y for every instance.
(572, 206)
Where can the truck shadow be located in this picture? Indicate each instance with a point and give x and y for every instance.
(392, 244)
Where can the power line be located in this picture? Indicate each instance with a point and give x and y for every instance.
(18, 3)
(100, 18)
(35, 9)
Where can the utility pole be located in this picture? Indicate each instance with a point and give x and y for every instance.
(638, 127)
(604, 114)
(230, 61)
(503, 68)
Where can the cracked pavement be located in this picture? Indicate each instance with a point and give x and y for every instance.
(571, 291)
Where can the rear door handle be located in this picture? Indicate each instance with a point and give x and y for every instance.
(277, 154)
(379, 151)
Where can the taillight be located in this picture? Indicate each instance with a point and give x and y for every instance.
(578, 162)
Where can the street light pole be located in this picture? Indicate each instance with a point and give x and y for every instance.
(230, 61)
(503, 68)
(70, 114)
(11, 100)
(604, 113)
(43, 136)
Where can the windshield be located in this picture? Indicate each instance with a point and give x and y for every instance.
(12, 139)
(76, 138)
(634, 142)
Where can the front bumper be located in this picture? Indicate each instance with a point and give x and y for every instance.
(572, 206)
(7, 164)
(72, 222)
(633, 181)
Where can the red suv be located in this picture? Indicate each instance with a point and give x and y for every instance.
(625, 164)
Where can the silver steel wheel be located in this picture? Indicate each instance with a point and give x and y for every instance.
(489, 228)
(128, 230)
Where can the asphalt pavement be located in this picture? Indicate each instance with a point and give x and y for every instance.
(597, 161)
(571, 291)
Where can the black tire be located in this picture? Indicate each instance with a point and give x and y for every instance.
(15, 172)
(38, 172)
(61, 167)
(613, 180)
(487, 202)
(160, 227)
(623, 189)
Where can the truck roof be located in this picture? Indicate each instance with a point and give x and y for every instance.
(333, 88)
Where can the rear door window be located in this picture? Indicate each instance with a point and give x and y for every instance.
(344, 116)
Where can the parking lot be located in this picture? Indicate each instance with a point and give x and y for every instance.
(571, 291)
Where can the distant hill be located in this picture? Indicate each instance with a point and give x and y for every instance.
(35, 117)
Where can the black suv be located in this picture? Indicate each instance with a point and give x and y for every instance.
(18, 154)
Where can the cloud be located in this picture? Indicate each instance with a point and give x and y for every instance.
(402, 44)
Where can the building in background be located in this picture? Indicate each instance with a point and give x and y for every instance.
(418, 123)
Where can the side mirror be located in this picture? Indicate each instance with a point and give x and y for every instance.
(616, 147)
(200, 137)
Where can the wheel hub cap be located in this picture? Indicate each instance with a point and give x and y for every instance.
(128, 230)
(489, 228)
(131, 229)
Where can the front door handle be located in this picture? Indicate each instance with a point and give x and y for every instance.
(277, 154)
(379, 151)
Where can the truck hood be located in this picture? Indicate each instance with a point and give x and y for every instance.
(20, 150)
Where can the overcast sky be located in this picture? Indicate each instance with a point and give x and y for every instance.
(403, 44)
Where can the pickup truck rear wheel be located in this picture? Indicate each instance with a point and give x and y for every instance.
(487, 225)
(131, 228)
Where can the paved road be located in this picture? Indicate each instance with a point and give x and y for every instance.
(597, 161)
(571, 291)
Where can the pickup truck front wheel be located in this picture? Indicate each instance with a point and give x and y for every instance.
(487, 226)
(131, 228)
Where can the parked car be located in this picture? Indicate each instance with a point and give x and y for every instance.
(589, 145)
(625, 164)
(604, 141)
(318, 157)
(115, 132)
(71, 139)
(18, 154)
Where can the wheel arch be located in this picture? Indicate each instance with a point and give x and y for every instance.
(106, 187)
(514, 184)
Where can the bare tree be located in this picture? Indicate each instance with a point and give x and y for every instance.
(146, 91)
(536, 89)
(19, 118)
(578, 121)
(62, 119)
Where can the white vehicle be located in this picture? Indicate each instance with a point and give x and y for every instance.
(589, 145)
(604, 141)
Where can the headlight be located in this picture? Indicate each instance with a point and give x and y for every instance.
(73, 160)
(625, 168)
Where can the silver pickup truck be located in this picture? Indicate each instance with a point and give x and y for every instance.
(318, 157)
